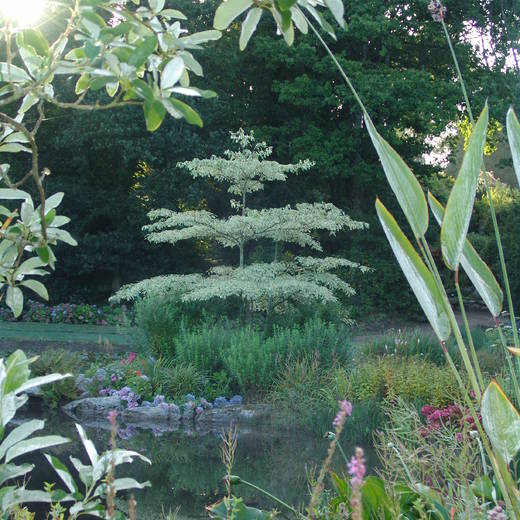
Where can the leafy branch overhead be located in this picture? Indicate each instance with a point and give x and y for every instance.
(137, 54)
(287, 15)
(263, 286)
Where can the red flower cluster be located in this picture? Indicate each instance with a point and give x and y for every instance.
(452, 416)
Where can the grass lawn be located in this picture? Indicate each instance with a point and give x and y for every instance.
(64, 333)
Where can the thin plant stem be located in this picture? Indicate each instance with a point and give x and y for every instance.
(468, 332)
(453, 321)
(513, 372)
(347, 462)
(500, 471)
(336, 62)
(488, 192)
(272, 497)
(405, 467)
(499, 467)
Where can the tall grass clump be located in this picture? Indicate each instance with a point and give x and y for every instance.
(159, 321)
(252, 360)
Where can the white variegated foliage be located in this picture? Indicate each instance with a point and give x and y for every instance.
(263, 286)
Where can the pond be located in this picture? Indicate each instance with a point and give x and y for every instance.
(186, 471)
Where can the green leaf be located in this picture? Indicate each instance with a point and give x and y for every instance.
(36, 40)
(143, 90)
(501, 421)
(172, 72)
(13, 74)
(458, 211)
(82, 84)
(37, 287)
(12, 471)
(14, 300)
(9, 193)
(17, 372)
(419, 277)
(121, 484)
(227, 11)
(29, 101)
(299, 20)
(201, 37)
(478, 272)
(156, 5)
(33, 444)
(185, 110)
(63, 473)
(88, 445)
(249, 26)
(28, 266)
(173, 13)
(285, 5)
(154, 113)
(513, 135)
(19, 434)
(54, 201)
(338, 11)
(43, 254)
(402, 181)
(40, 381)
(142, 51)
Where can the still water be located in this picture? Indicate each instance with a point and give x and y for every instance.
(187, 470)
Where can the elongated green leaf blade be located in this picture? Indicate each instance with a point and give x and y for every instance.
(249, 26)
(419, 277)
(12, 471)
(19, 434)
(37, 287)
(35, 443)
(227, 11)
(501, 421)
(513, 135)
(63, 473)
(460, 202)
(88, 445)
(402, 181)
(478, 272)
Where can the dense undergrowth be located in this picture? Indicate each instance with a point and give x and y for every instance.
(302, 369)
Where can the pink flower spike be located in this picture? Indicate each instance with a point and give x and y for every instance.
(345, 410)
(112, 416)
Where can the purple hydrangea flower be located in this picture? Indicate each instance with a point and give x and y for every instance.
(220, 402)
(158, 399)
(236, 399)
(190, 397)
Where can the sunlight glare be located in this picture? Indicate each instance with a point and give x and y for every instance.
(21, 13)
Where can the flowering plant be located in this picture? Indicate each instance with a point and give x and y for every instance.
(71, 313)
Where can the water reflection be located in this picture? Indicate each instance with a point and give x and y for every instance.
(186, 472)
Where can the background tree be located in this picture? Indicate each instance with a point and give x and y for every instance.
(288, 96)
(265, 286)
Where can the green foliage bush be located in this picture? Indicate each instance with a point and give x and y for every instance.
(61, 361)
(175, 380)
(159, 320)
(412, 379)
(251, 360)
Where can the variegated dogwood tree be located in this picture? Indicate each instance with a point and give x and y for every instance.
(261, 286)
(117, 53)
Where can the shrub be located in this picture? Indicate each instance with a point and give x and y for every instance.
(159, 321)
(412, 379)
(175, 380)
(62, 361)
(404, 343)
(296, 392)
(250, 360)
